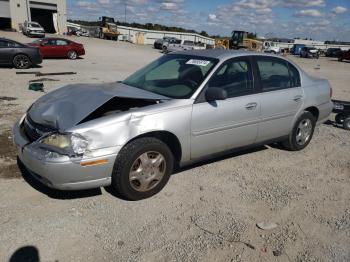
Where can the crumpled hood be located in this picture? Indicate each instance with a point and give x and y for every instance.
(67, 106)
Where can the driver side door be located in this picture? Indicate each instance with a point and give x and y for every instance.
(222, 125)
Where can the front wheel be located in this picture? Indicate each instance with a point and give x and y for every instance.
(72, 55)
(302, 132)
(142, 168)
(21, 62)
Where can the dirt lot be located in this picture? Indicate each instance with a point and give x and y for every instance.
(206, 213)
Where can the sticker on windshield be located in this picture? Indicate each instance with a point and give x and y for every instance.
(198, 62)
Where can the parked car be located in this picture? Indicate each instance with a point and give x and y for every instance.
(309, 52)
(33, 29)
(182, 107)
(181, 45)
(59, 47)
(344, 55)
(158, 44)
(18, 55)
(199, 46)
(296, 48)
(332, 52)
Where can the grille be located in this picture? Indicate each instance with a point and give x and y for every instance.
(33, 130)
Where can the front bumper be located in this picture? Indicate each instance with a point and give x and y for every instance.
(36, 33)
(63, 172)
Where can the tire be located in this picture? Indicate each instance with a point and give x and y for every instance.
(131, 186)
(346, 123)
(340, 59)
(299, 138)
(339, 118)
(21, 61)
(72, 55)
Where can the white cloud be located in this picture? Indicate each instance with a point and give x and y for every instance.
(303, 3)
(308, 13)
(339, 10)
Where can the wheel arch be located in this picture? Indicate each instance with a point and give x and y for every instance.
(314, 111)
(167, 138)
(22, 53)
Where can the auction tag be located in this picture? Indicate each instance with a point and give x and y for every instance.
(198, 62)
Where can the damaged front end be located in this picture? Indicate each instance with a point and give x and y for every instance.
(68, 139)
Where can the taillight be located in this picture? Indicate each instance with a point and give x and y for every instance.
(330, 92)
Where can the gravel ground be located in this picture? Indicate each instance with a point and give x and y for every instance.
(207, 212)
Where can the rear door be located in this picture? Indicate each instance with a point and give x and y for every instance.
(281, 96)
(62, 47)
(48, 48)
(221, 125)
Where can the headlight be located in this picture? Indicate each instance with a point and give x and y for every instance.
(71, 144)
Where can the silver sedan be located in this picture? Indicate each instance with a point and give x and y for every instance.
(176, 110)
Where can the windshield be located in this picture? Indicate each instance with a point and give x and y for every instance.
(174, 76)
(34, 25)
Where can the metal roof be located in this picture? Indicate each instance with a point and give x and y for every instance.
(218, 53)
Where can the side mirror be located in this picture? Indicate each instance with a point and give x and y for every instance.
(215, 93)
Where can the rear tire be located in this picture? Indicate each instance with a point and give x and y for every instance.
(302, 133)
(346, 123)
(147, 178)
(21, 62)
(339, 118)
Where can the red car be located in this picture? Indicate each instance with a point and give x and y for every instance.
(344, 55)
(59, 47)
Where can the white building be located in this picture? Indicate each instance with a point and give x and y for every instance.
(51, 14)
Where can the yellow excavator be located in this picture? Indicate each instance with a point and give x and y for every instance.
(239, 40)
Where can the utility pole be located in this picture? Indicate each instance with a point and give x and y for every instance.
(125, 13)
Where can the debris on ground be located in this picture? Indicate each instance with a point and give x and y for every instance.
(36, 87)
(277, 253)
(7, 98)
(266, 225)
(37, 73)
(42, 80)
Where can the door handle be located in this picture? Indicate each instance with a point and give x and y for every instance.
(251, 106)
(297, 98)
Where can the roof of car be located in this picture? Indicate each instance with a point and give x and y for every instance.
(219, 53)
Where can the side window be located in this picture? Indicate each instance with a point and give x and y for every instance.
(234, 76)
(49, 42)
(294, 76)
(274, 73)
(4, 44)
(61, 42)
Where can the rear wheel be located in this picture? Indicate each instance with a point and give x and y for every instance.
(142, 168)
(339, 118)
(21, 62)
(302, 132)
(346, 123)
(72, 55)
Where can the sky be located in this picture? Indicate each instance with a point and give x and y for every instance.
(316, 19)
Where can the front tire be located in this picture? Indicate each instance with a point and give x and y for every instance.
(302, 132)
(142, 168)
(72, 55)
(21, 62)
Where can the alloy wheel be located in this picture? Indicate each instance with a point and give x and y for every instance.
(304, 132)
(21, 61)
(147, 171)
